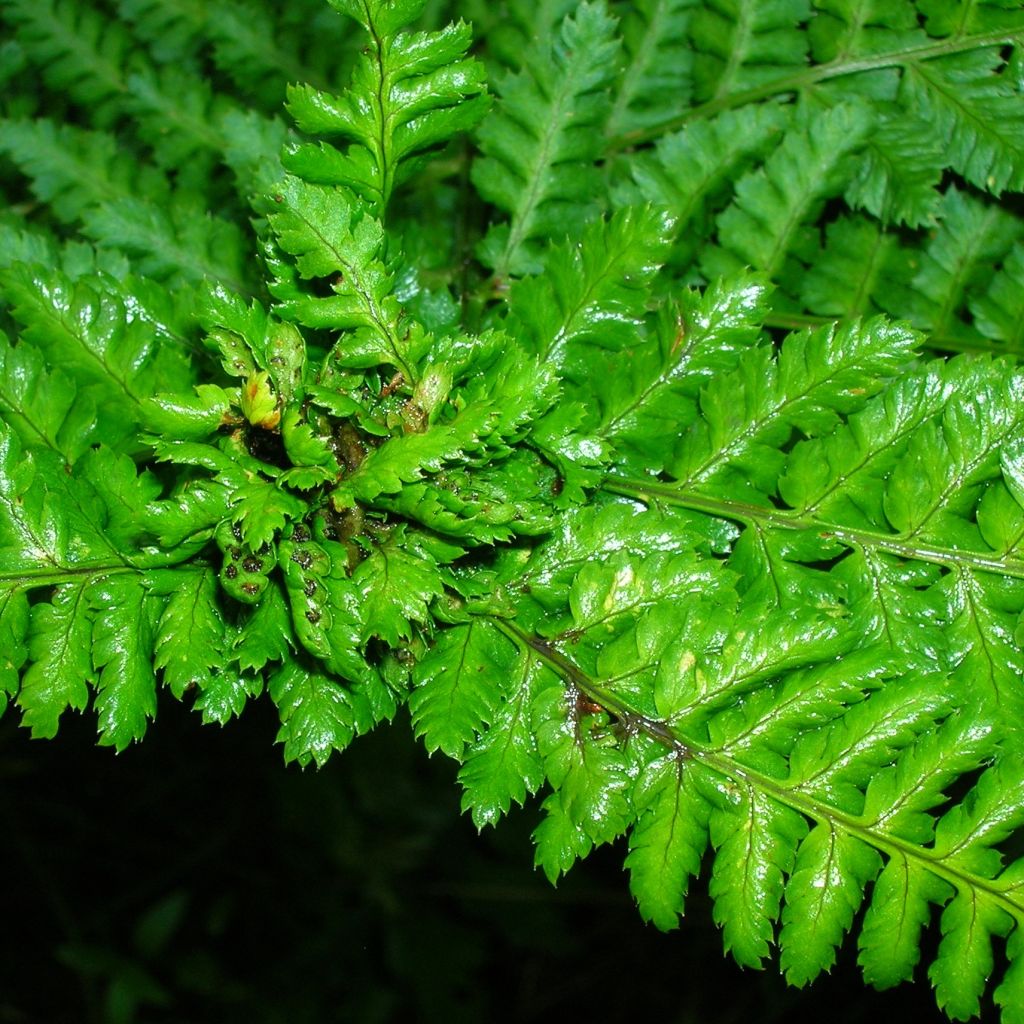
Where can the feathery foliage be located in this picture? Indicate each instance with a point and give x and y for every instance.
(634, 393)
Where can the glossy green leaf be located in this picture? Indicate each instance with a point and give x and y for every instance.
(317, 715)
(125, 618)
(455, 695)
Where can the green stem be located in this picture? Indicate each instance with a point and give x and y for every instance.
(651, 492)
(52, 576)
(812, 75)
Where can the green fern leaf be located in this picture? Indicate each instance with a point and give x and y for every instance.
(503, 765)
(689, 170)
(262, 52)
(522, 23)
(857, 263)
(92, 335)
(52, 522)
(747, 412)
(452, 699)
(191, 635)
(594, 293)
(317, 715)
(841, 28)
(179, 117)
(265, 634)
(756, 840)
(225, 695)
(425, 91)
(322, 228)
(999, 312)
(60, 669)
(79, 51)
(741, 43)
(899, 170)
(761, 226)
(540, 146)
(395, 586)
(14, 626)
(125, 618)
(171, 28)
(73, 170)
(971, 237)
(652, 394)
(177, 243)
(656, 78)
(45, 407)
(966, 835)
(891, 935)
(975, 114)
(827, 887)
(589, 804)
(668, 840)
(837, 476)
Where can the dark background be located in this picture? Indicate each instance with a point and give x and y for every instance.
(194, 878)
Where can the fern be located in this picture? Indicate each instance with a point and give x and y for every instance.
(538, 150)
(638, 474)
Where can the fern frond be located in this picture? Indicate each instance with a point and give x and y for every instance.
(761, 227)
(333, 237)
(541, 144)
(858, 261)
(14, 626)
(61, 671)
(806, 826)
(955, 21)
(191, 610)
(999, 312)
(178, 242)
(976, 114)
(687, 170)
(172, 29)
(425, 91)
(699, 567)
(252, 148)
(972, 236)
(746, 412)
(522, 23)
(503, 766)
(46, 408)
(79, 51)
(655, 81)
(451, 701)
(178, 115)
(842, 28)
(594, 293)
(74, 170)
(263, 53)
(93, 335)
(743, 43)
(125, 617)
(589, 805)
(318, 716)
(897, 174)
(652, 394)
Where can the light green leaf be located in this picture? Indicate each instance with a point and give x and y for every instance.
(456, 691)
(395, 588)
(317, 714)
(60, 669)
(668, 840)
(503, 765)
(125, 617)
